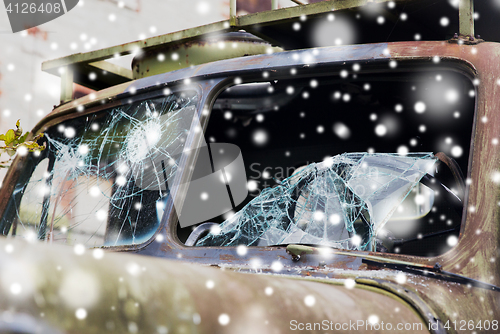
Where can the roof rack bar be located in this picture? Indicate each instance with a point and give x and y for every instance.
(81, 67)
(51, 66)
(77, 67)
(466, 17)
(232, 12)
(287, 13)
(66, 84)
(128, 48)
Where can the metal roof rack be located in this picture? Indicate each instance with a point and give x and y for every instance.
(76, 68)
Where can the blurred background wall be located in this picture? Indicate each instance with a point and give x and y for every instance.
(28, 94)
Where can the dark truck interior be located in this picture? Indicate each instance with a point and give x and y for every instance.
(285, 124)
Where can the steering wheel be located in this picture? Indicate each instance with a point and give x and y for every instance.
(199, 232)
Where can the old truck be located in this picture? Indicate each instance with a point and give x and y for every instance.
(319, 168)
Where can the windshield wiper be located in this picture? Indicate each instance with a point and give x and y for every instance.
(434, 272)
(395, 242)
(296, 251)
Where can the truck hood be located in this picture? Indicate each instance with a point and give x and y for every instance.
(59, 288)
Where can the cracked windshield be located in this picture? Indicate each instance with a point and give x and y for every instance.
(94, 184)
(356, 160)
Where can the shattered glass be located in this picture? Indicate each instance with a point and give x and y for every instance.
(342, 202)
(95, 183)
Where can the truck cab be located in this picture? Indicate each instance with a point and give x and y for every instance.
(245, 175)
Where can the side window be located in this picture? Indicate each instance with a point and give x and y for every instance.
(103, 179)
(391, 121)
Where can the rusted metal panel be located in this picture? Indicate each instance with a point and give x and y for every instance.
(97, 291)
